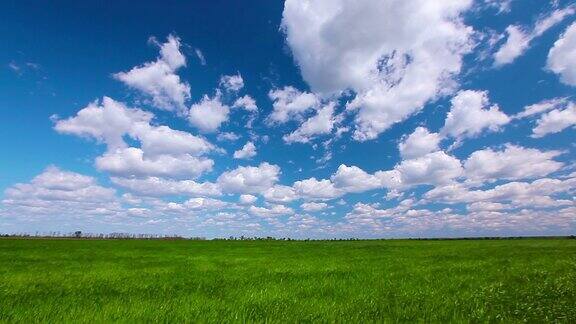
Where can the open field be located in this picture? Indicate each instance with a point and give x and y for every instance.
(138, 280)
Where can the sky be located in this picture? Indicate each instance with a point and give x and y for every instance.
(301, 119)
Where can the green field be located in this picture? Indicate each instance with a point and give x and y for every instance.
(278, 281)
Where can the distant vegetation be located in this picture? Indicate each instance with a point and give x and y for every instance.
(48, 280)
(134, 236)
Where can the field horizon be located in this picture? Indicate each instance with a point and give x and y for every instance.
(148, 236)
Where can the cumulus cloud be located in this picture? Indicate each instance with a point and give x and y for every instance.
(107, 122)
(163, 152)
(433, 168)
(436, 168)
(201, 203)
(486, 206)
(227, 136)
(519, 38)
(320, 124)
(511, 163)
(274, 211)
(132, 162)
(56, 184)
(247, 199)
(248, 151)
(247, 103)
(480, 220)
(208, 114)
(232, 82)
(354, 179)
(158, 140)
(56, 190)
(541, 107)
(280, 194)
(536, 194)
(396, 56)
(313, 188)
(419, 143)
(155, 186)
(249, 179)
(314, 206)
(471, 114)
(158, 79)
(555, 121)
(562, 56)
(289, 103)
(516, 44)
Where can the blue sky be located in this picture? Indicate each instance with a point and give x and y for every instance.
(326, 118)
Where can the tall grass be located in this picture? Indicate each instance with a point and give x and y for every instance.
(234, 281)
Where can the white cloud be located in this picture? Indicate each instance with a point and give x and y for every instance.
(554, 18)
(486, 206)
(247, 103)
(280, 194)
(354, 179)
(200, 56)
(227, 136)
(516, 44)
(370, 217)
(132, 162)
(154, 186)
(562, 56)
(248, 151)
(247, 199)
(274, 211)
(160, 140)
(519, 38)
(419, 143)
(316, 189)
(482, 219)
(208, 114)
(503, 6)
(204, 204)
(59, 191)
(555, 121)
(249, 179)
(396, 56)
(107, 122)
(232, 82)
(158, 79)
(470, 114)
(320, 124)
(536, 194)
(541, 107)
(163, 152)
(433, 168)
(289, 103)
(436, 168)
(56, 184)
(512, 163)
(14, 67)
(313, 206)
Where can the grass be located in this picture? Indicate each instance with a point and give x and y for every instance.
(236, 281)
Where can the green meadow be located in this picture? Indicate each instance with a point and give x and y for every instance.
(69, 280)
